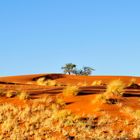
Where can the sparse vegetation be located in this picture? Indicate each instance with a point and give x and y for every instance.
(43, 82)
(64, 116)
(10, 93)
(39, 118)
(82, 84)
(84, 71)
(116, 87)
(23, 95)
(71, 69)
(97, 83)
(70, 90)
(99, 98)
(50, 83)
(132, 82)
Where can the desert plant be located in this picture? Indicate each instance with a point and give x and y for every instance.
(115, 87)
(127, 110)
(99, 98)
(82, 84)
(87, 71)
(60, 101)
(84, 71)
(23, 95)
(41, 81)
(132, 81)
(61, 114)
(69, 68)
(136, 132)
(70, 90)
(97, 83)
(50, 83)
(10, 93)
(136, 114)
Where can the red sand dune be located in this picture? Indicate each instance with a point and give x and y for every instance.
(82, 103)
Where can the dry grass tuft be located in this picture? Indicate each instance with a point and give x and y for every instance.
(116, 87)
(10, 93)
(50, 83)
(132, 82)
(48, 119)
(98, 98)
(82, 84)
(70, 91)
(23, 95)
(97, 83)
(43, 82)
(136, 114)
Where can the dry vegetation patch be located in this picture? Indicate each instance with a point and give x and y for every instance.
(114, 90)
(70, 90)
(43, 82)
(97, 83)
(48, 119)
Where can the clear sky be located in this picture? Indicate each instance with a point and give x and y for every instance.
(40, 36)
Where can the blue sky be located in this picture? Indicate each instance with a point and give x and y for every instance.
(41, 36)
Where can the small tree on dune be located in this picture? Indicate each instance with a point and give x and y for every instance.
(86, 71)
(69, 68)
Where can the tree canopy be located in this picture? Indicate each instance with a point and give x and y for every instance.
(70, 68)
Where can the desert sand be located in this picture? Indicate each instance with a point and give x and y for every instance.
(48, 113)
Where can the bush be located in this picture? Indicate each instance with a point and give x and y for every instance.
(42, 82)
(50, 83)
(23, 95)
(116, 87)
(70, 91)
(97, 83)
(10, 93)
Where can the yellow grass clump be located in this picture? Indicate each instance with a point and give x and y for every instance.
(40, 81)
(70, 91)
(10, 93)
(133, 83)
(23, 95)
(39, 121)
(98, 98)
(50, 83)
(97, 83)
(82, 84)
(136, 114)
(43, 82)
(116, 87)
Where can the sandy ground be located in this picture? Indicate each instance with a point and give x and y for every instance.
(82, 104)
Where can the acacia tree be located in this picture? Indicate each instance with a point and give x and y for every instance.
(87, 71)
(84, 71)
(69, 68)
